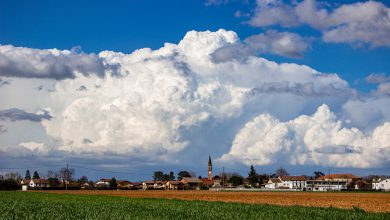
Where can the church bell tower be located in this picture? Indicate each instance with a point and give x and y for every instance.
(210, 169)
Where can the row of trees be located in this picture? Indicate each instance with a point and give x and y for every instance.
(161, 176)
(63, 173)
(10, 181)
(27, 176)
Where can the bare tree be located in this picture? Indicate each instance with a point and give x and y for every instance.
(281, 172)
(84, 179)
(66, 174)
(13, 176)
(52, 174)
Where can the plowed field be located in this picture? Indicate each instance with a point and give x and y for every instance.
(371, 202)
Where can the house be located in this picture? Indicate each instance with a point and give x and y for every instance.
(84, 185)
(217, 182)
(273, 183)
(148, 184)
(340, 177)
(191, 183)
(172, 185)
(333, 182)
(159, 185)
(292, 182)
(153, 185)
(207, 183)
(35, 183)
(136, 185)
(103, 183)
(124, 184)
(379, 184)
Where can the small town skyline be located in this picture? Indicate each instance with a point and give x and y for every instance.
(207, 172)
(161, 85)
(65, 179)
(138, 173)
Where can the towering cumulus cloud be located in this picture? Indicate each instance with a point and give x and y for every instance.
(167, 92)
(162, 102)
(319, 139)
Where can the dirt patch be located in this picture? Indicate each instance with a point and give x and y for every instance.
(371, 202)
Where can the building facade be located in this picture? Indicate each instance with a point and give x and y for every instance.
(380, 184)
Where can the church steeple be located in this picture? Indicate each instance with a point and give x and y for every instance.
(210, 169)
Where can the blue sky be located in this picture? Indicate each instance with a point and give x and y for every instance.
(125, 26)
(339, 43)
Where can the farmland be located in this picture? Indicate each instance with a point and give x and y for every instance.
(371, 202)
(34, 205)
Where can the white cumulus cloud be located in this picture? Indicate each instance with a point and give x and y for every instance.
(163, 103)
(357, 23)
(51, 63)
(319, 139)
(271, 42)
(165, 93)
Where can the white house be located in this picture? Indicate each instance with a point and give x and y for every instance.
(35, 183)
(172, 185)
(273, 183)
(332, 182)
(381, 184)
(103, 183)
(153, 185)
(292, 182)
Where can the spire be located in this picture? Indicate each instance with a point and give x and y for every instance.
(210, 164)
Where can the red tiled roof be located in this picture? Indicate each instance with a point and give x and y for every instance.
(191, 180)
(26, 181)
(149, 182)
(338, 176)
(275, 180)
(123, 182)
(293, 178)
(40, 181)
(174, 182)
(207, 182)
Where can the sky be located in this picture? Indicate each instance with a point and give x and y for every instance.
(125, 88)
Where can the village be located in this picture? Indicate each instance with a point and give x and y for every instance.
(224, 181)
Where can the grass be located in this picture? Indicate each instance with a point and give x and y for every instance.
(36, 205)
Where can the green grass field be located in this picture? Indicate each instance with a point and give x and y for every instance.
(35, 205)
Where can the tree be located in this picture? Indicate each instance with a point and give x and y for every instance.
(318, 174)
(281, 172)
(13, 176)
(171, 175)
(236, 180)
(27, 176)
(263, 178)
(192, 173)
(252, 176)
(158, 176)
(91, 184)
(53, 182)
(66, 174)
(8, 184)
(182, 174)
(166, 177)
(36, 175)
(52, 174)
(83, 180)
(113, 183)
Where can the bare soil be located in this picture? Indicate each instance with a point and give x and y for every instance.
(370, 202)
